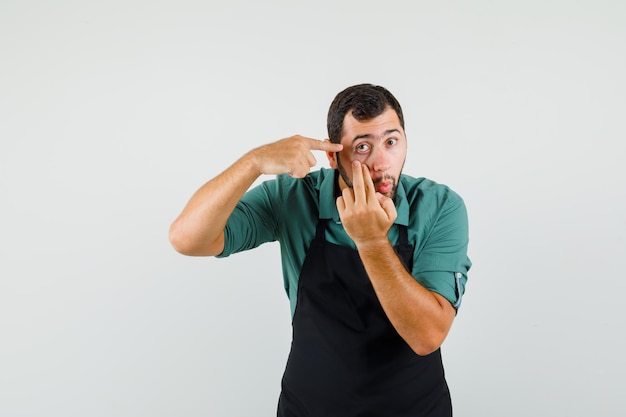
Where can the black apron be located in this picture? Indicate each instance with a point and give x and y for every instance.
(346, 358)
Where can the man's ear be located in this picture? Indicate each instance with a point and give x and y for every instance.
(332, 157)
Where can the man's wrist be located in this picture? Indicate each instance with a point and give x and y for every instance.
(373, 244)
(250, 162)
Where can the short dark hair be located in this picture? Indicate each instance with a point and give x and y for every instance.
(366, 101)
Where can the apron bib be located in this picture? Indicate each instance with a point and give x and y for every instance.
(346, 358)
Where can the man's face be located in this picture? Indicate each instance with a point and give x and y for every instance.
(379, 143)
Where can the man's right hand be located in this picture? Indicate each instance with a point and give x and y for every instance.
(292, 155)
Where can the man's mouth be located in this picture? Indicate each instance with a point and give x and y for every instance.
(384, 187)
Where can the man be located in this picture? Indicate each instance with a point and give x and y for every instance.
(374, 261)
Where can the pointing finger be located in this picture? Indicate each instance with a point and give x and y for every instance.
(323, 145)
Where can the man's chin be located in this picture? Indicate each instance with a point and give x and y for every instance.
(391, 194)
(388, 191)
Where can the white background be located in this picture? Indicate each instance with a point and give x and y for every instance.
(113, 113)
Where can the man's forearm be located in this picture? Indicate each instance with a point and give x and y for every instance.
(199, 229)
(421, 317)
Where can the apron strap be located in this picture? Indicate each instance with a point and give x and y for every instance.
(320, 229)
(403, 239)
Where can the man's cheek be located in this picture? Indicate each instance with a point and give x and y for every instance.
(357, 157)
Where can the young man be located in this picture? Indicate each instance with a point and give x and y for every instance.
(374, 261)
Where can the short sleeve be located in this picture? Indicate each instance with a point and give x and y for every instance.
(442, 264)
(253, 221)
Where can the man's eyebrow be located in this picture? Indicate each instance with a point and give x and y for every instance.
(370, 136)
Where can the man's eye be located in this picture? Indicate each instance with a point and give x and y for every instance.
(392, 141)
(362, 147)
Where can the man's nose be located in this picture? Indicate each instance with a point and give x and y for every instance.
(379, 160)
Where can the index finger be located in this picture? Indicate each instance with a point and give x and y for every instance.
(323, 145)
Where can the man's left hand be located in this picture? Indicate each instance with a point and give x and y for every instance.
(365, 213)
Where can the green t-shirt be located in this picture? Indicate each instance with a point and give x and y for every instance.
(287, 210)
